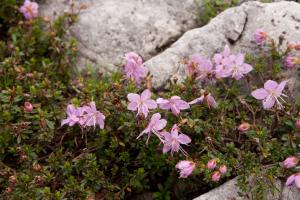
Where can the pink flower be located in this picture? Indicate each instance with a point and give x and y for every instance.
(270, 94)
(223, 169)
(244, 127)
(173, 140)
(207, 98)
(175, 104)
(216, 176)
(260, 36)
(142, 103)
(185, 167)
(29, 9)
(237, 67)
(293, 179)
(205, 68)
(75, 115)
(222, 60)
(291, 61)
(156, 124)
(290, 162)
(93, 116)
(211, 164)
(28, 106)
(193, 65)
(298, 123)
(134, 68)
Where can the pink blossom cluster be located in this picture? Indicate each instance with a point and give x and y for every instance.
(174, 139)
(85, 116)
(29, 9)
(224, 65)
(216, 175)
(143, 103)
(134, 68)
(290, 61)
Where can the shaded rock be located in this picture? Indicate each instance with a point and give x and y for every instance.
(109, 28)
(229, 191)
(234, 27)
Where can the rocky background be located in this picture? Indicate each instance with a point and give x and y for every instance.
(164, 32)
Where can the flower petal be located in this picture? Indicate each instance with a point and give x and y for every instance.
(184, 139)
(269, 102)
(132, 106)
(260, 94)
(239, 59)
(271, 85)
(151, 104)
(182, 105)
(144, 110)
(167, 136)
(146, 94)
(155, 117)
(133, 97)
(247, 68)
(211, 101)
(297, 180)
(290, 180)
(175, 110)
(160, 124)
(166, 148)
(198, 100)
(280, 88)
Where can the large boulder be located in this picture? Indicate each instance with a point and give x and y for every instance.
(230, 190)
(234, 27)
(108, 29)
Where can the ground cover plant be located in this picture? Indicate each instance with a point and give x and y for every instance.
(71, 135)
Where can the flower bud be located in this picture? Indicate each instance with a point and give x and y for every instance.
(23, 158)
(223, 169)
(297, 47)
(37, 167)
(8, 190)
(38, 180)
(216, 176)
(260, 36)
(244, 127)
(290, 162)
(291, 61)
(28, 106)
(211, 164)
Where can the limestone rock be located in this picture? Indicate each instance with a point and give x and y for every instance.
(234, 27)
(108, 29)
(229, 191)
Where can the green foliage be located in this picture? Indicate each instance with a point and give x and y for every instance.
(39, 159)
(213, 7)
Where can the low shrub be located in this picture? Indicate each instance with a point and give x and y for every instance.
(70, 135)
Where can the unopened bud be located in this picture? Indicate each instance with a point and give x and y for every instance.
(244, 127)
(28, 106)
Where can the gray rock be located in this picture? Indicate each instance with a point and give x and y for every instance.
(108, 29)
(230, 191)
(234, 27)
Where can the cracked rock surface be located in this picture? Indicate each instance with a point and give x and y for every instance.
(229, 191)
(234, 27)
(108, 29)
